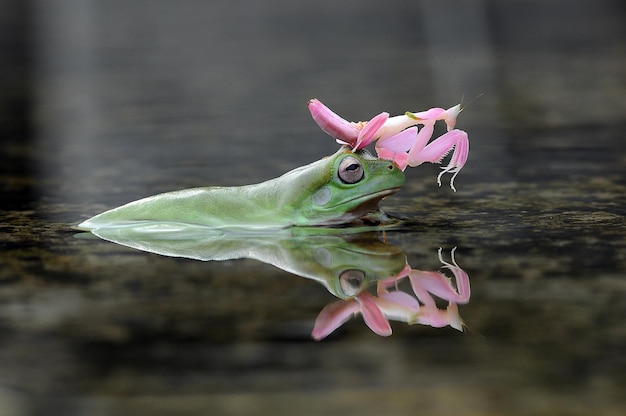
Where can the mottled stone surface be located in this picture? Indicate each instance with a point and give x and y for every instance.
(103, 102)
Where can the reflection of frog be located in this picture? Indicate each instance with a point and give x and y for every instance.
(345, 260)
(339, 189)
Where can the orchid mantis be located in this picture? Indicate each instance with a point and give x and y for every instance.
(399, 139)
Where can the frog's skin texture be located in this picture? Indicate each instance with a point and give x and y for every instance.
(339, 189)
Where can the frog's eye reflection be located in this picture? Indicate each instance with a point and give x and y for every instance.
(350, 170)
(351, 281)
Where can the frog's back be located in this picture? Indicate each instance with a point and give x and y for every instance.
(215, 207)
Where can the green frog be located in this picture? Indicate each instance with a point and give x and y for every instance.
(338, 189)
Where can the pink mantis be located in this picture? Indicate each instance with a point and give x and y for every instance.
(399, 139)
(401, 306)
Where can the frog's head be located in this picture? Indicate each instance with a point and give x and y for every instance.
(345, 186)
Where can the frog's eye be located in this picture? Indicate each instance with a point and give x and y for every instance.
(350, 170)
(351, 281)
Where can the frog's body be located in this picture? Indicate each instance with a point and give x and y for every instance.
(335, 190)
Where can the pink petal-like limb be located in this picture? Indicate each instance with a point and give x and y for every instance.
(429, 313)
(337, 313)
(344, 131)
(438, 318)
(368, 133)
(435, 151)
(461, 151)
(333, 316)
(458, 159)
(399, 143)
(438, 284)
(398, 306)
(396, 147)
(461, 278)
(434, 114)
(411, 140)
(425, 283)
(422, 294)
(372, 314)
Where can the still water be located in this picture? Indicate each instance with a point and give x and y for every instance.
(105, 102)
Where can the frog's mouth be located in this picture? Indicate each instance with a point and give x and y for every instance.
(368, 202)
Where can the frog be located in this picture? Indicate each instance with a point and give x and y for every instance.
(338, 189)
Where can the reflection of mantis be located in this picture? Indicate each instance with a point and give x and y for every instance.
(401, 306)
(345, 260)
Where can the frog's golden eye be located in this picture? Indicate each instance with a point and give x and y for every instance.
(351, 281)
(350, 170)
